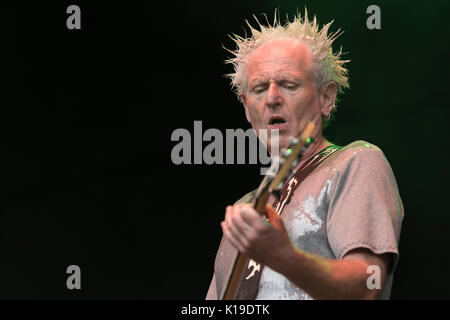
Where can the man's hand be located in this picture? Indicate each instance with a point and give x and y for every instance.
(320, 277)
(265, 241)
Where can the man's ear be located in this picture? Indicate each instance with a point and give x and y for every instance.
(244, 103)
(327, 97)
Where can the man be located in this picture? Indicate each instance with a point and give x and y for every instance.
(341, 224)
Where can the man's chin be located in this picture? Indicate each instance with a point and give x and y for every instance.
(277, 143)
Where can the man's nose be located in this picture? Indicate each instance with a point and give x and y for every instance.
(273, 97)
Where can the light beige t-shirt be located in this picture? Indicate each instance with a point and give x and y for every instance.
(349, 201)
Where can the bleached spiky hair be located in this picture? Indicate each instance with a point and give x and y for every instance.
(327, 66)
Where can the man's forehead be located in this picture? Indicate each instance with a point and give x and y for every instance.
(280, 55)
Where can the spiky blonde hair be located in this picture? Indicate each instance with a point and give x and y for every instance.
(327, 66)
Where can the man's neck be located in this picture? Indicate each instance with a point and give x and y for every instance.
(314, 148)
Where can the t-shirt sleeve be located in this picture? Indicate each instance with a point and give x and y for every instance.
(212, 291)
(365, 209)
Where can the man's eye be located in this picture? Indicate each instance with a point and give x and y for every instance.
(259, 89)
(291, 86)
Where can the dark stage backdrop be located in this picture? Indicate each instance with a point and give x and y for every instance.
(87, 117)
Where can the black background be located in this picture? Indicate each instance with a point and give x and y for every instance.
(87, 117)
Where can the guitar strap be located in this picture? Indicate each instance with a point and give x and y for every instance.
(249, 281)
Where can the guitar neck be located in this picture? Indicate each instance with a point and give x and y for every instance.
(267, 186)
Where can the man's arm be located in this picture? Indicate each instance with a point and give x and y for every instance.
(320, 277)
(325, 278)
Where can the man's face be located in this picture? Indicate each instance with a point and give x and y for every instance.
(281, 92)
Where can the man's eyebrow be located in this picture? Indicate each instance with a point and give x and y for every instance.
(258, 80)
(289, 77)
(279, 77)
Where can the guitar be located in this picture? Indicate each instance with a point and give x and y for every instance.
(272, 183)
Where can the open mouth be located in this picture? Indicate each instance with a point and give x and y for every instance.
(276, 120)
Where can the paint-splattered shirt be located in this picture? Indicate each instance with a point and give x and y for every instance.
(349, 201)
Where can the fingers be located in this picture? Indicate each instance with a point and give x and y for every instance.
(234, 228)
(258, 238)
(252, 218)
(235, 222)
(230, 237)
(243, 226)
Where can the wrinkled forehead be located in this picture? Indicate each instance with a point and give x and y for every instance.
(280, 55)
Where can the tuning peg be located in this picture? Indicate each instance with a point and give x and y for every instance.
(286, 152)
(292, 141)
(310, 140)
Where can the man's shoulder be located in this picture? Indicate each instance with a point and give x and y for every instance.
(358, 153)
(358, 149)
(360, 146)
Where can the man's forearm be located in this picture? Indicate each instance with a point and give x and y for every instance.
(324, 278)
